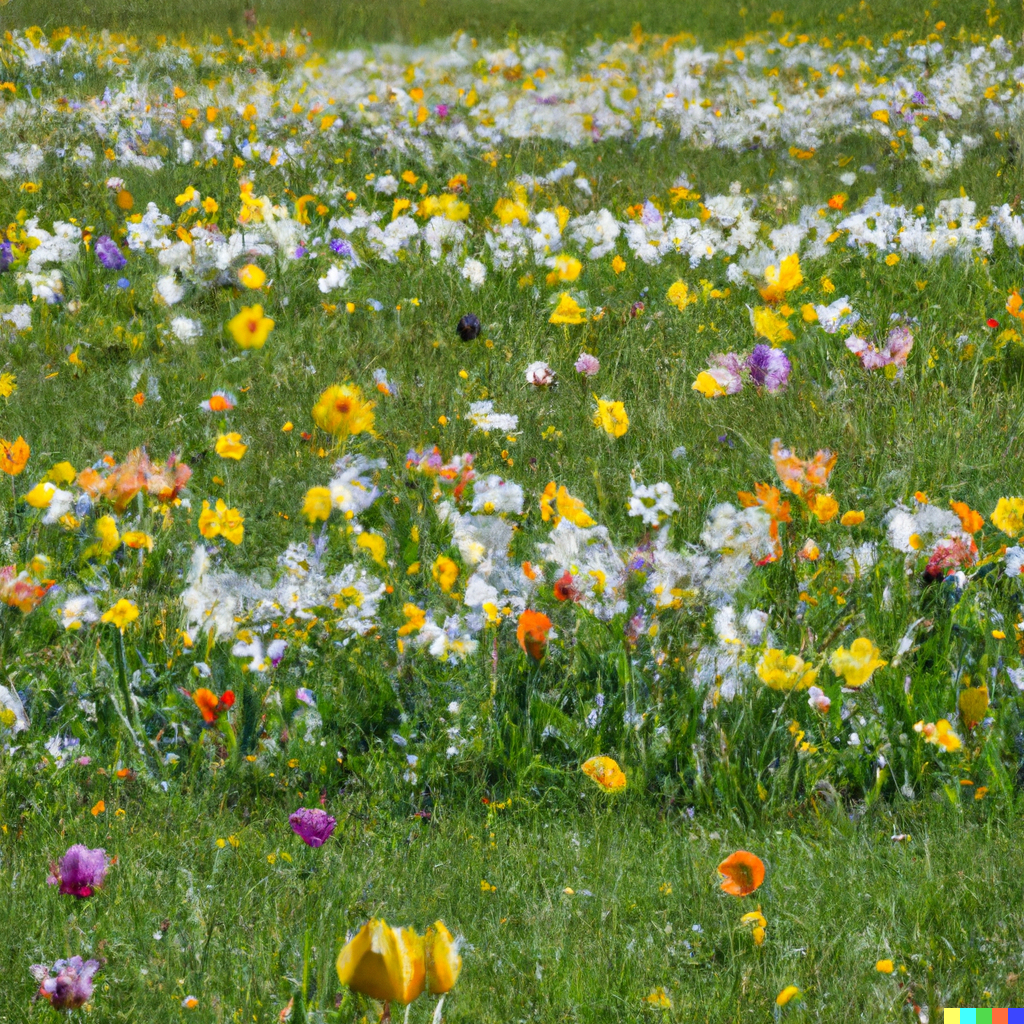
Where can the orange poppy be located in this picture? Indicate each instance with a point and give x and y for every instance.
(803, 477)
(532, 633)
(13, 456)
(209, 704)
(742, 872)
(565, 588)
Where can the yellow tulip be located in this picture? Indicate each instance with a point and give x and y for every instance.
(384, 963)
(443, 962)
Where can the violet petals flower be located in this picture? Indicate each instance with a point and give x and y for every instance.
(67, 984)
(108, 253)
(312, 825)
(80, 872)
(769, 367)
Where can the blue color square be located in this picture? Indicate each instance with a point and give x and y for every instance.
(1015, 1016)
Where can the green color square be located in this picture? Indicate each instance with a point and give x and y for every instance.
(983, 1016)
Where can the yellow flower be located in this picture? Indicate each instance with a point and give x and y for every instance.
(768, 324)
(680, 295)
(824, 506)
(375, 544)
(108, 539)
(229, 446)
(568, 311)
(384, 963)
(13, 456)
(8, 385)
(857, 664)
(973, 705)
(442, 959)
(221, 522)
(121, 614)
(508, 210)
(707, 385)
(317, 504)
(137, 539)
(567, 268)
(252, 276)
(940, 733)
(41, 495)
(788, 993)
(782, 279)
(341, 411)
(852, 518)
(605, 772)
(892, 259)
(1009, 516)
(565, 506)
(445, 572)
(61, 473)
(618, 264)
(415, 619)
(783, 671)
(611, 417)
(250, 327)
(756, 922)
(885, 967)
(659, 997)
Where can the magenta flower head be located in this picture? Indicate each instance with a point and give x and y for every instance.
(769, 367)
(68, 983)
(80, 872)
(312, 825)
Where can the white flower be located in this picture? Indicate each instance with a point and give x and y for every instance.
(539, 374)
(79, 611)
(492, 494)
(336, 277)
(652, 503)
(185, 329)
(483, 417)
(474, 272)
(817, 700)
(168, 291)
(1014, 562)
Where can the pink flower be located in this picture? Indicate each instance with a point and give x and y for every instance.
(80, 872)
(587, 364)
(897, 347)
(817, 699)
(312, 825)
(540, 375)
(71, 987)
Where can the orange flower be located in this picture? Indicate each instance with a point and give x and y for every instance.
(802, 477)
(209, 705)
(13, 456)
(605, 772)
(970, 520)
(533, 633)
(742, 872)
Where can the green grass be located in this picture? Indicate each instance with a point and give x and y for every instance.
(839, 896)
(351, 22)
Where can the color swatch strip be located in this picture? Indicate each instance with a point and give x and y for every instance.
(976, 1016)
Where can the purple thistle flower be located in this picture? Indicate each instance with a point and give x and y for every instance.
(312, 825)
(80, 872)
(71, 986)
(769, 367)
(108, 253)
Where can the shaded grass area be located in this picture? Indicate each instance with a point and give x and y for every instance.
(348, 22)
(219, 901)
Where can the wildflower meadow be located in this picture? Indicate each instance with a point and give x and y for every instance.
(511, 521)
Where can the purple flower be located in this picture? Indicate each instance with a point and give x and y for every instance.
(342, 247)
(312, 825)
(469, 327)
(80, 872)
(587, 364)
(918, 97)
(441, 110)
(108, 253)
(6, 255)
(71, 985)
(300, 251)
(769, 367)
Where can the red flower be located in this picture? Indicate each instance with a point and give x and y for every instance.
(565, 588)
(992, 322)
(210, 706)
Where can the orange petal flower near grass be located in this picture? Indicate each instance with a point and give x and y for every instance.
(742, 873)
(605, 772)
(532, 633)
(13, 456)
